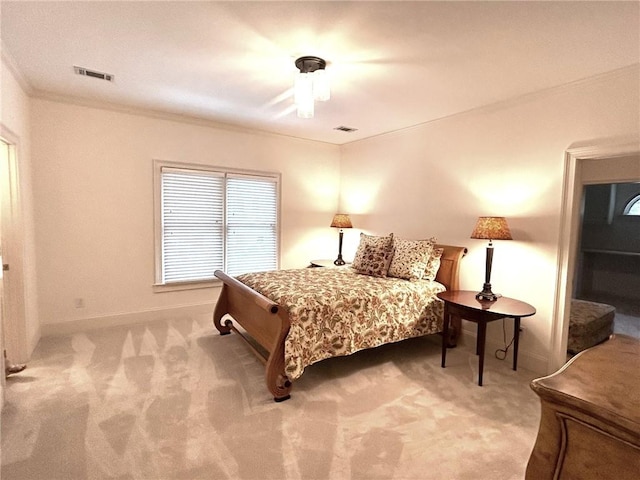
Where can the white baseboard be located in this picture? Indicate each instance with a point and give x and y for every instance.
(527, 360)
(532, 362)
(33, 341)
(129, 318)
(467, 340)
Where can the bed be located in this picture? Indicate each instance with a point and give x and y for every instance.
(294, 318)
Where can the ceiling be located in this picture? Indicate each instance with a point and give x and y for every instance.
(392, 64)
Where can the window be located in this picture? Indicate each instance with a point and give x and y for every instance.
(210, 219)
(633, 206)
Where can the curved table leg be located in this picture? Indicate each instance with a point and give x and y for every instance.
(455, 330)
(482, 338)
(445, 334)
(516, 341)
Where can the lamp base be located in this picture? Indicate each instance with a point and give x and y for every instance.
(339, 261)
(486, 294)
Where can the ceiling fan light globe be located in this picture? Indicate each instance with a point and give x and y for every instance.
(321, 87)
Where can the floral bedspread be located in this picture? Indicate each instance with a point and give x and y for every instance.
(336, 311)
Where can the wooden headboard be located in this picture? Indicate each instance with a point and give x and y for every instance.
(449, 272)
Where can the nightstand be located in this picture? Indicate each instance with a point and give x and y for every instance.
(326, 263)
(465, 305)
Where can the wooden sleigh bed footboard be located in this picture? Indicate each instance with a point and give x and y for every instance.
(267, 324)
(265, 321)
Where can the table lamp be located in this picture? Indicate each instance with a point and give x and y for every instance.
(490, 228)
(340, 220)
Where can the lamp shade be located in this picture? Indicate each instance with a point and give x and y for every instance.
(492, 228)
(341, 220)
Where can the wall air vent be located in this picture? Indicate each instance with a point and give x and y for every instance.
(342, 128)
(92, 73)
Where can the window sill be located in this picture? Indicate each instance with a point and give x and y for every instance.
(175, 287)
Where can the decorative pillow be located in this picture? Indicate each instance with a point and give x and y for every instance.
(370, 240)
(410, 258)
(433, 264)
(375, 261)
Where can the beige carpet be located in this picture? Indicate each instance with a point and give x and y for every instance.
(176, 400)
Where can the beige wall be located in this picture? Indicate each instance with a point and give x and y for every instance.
(94, 204)
(15, 122)
(93, 201)
(507, 160)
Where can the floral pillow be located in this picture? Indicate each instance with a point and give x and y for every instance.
(373, 241)
(433, 265)
(375, 260)
(410, 258)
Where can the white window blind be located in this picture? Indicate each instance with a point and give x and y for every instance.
(192, 225)
(251, 224)
(216, 220)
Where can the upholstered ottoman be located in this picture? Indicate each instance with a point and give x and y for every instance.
(589, 324)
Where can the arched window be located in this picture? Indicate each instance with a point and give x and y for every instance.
(633, 206)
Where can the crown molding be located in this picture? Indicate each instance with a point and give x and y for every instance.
(9, 62)
(523, 98)
(161, 115)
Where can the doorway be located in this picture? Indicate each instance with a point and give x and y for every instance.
(4, 158)
(14, 327)
(608, 259)
(614, 162)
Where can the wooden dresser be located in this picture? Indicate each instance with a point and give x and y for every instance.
(590, 422)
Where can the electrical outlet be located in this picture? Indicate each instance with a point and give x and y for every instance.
(79, 302)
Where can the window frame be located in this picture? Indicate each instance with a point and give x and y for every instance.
(158, 165)
(633, 201)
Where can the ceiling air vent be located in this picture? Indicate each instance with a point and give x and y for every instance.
(92, 73)
(342, 128)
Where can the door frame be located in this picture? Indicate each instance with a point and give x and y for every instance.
(573, 188)
(12, 231)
